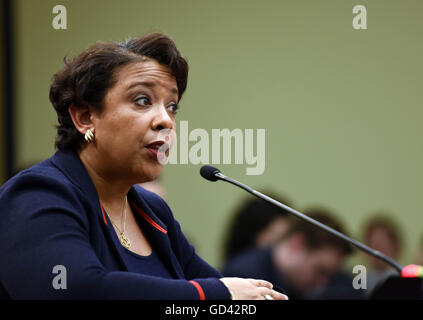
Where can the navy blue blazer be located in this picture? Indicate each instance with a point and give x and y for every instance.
(50, 215)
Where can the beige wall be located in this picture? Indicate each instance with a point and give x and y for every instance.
(342, 108)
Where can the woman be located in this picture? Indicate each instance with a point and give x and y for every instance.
(75, 226)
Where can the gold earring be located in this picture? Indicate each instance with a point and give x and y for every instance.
(89, 136)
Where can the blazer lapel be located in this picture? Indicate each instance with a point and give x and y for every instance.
(70, 164)
(155, 231)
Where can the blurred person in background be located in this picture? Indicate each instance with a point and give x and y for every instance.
(383, 234)
(303, 259)
(256, 223)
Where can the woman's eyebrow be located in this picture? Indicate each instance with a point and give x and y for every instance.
(141, 83)
(148, 84)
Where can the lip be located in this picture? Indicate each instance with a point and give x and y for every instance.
(154, 147)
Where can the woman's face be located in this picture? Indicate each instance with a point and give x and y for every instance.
(141, 103)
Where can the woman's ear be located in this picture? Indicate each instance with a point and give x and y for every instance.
(81, 118)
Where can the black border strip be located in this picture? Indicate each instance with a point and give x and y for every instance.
(9, 88)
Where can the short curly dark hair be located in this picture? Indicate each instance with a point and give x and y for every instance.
(316, 238)
(85, 79)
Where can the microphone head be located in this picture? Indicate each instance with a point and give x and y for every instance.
(209, 173)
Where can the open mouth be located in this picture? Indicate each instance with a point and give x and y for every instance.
(155, 146)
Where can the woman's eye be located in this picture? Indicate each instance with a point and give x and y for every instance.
(174, 107)
(142, 101)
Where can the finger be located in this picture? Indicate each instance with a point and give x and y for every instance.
(279, 296)
(263, 291)
(261, 283)
(273, 295)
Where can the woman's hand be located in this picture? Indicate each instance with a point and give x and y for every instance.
(251, 289)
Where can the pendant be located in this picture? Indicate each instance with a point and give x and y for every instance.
(125, 241)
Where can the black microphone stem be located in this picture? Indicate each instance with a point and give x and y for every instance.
(298, 214)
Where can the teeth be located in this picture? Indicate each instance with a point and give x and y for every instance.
(155, 146)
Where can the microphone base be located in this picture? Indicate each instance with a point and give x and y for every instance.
(398, 288)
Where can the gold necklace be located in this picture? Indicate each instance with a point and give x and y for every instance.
(124, 240)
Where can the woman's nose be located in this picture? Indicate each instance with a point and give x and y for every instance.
(162, 119)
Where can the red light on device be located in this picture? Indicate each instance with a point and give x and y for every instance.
(412, 271)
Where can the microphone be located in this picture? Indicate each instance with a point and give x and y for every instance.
(209, 173)
(411, 271)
